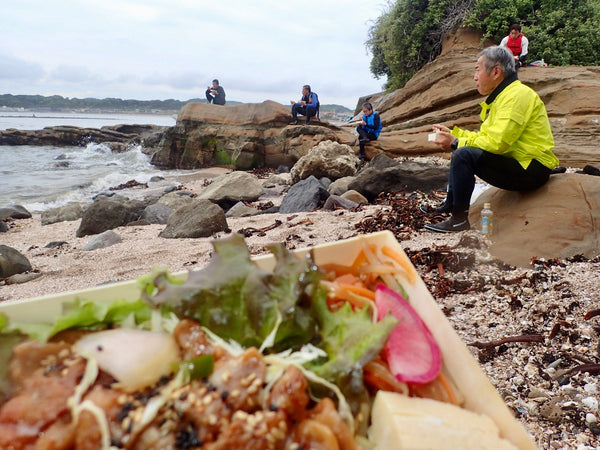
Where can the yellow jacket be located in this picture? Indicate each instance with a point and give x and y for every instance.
(517, 127)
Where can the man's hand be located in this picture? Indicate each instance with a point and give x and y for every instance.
(292, 102)
(303, 103)
(363, 123)
(444, 139)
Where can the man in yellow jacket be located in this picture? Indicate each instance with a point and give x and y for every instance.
(512, 149)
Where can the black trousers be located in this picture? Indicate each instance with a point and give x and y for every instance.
(364, 136)
(497, 170)
(304, 110)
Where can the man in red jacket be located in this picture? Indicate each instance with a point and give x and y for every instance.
(517, 43)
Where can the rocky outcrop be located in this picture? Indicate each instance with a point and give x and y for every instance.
(327, 159)
(242, 136)
(443, 92)
(117, 137)
(559, 220)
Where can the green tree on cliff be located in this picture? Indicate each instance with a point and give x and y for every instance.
(409, 34)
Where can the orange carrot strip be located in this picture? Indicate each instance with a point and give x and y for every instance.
(410, 271)
(449, 390)
(347, 278)
(360, 259)
(362, 291)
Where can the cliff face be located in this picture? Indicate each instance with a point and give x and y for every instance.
(444, 92)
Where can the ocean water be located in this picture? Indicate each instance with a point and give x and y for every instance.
(32, 176)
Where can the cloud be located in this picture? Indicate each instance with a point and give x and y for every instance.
(73, 74)
(19, 69)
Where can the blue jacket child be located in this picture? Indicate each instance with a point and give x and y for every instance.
(369, 129)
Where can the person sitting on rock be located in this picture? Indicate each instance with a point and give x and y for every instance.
(307, 106)
(517, 43)
(215, 94)
(513, 148)
(369, 128)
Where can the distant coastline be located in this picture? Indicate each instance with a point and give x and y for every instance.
(57, 104)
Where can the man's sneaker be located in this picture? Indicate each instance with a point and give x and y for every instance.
(294, 122)
(442, 208)
(451, 225)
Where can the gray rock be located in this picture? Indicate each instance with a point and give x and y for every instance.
(326, 182)
(55, 244)
(231, 188)
(241, 210)
(12, 262)
(339, 186)
(337, 202)
(157, 213)
(201, 218)
(108, 213)
(20, 278)
(305, 195)
(156, 178)
(384, 174)
(14, 212)
(170, 189)
(327, 159)
(174, 201)
(103, 240)
(355, 197)
(67, 213)
(3, 227)
(283, 179)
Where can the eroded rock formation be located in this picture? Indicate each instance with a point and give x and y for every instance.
(444, 92)
(242, 136)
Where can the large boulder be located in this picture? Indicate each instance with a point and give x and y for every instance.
(106, 213)
(305, 195)
(242, 136)
(68, 213)
(201, 218)
(231, 188)
(384, 174)
(443, 92)
(327, 159)
(12, 262)
(558, 220)
(14, 212)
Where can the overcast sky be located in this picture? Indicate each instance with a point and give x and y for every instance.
(161, 49)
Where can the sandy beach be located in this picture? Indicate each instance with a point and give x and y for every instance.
(487, 300)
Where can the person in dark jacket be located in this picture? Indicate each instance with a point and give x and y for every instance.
(369, 128)
(215, 94)
(307, 106)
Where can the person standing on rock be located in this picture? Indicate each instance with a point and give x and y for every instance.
(517, 43)
(513, 148)
(369, 128)
(215, 94)
(307, 106)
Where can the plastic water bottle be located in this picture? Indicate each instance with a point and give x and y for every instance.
(487, 220)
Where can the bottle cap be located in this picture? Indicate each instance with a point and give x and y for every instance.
(487, 205)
